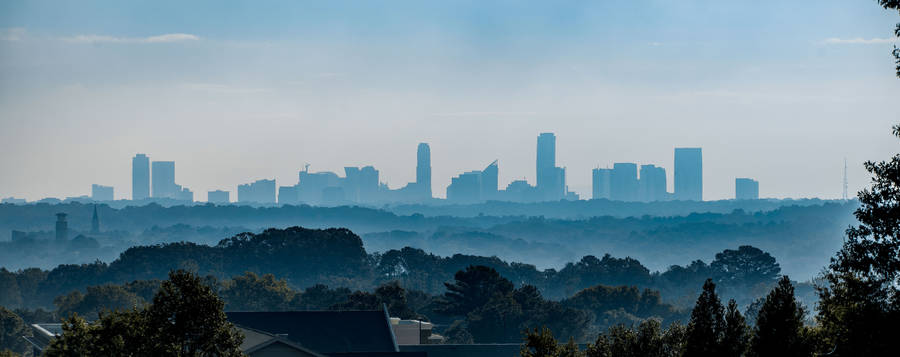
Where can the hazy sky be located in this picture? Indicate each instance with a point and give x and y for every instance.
(780, 91)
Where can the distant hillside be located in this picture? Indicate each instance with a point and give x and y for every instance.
(336, 257)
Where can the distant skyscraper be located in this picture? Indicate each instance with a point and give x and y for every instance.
(140, 177)
(260, 191)
(465, 188)
(287, 195)
(360, 184)
(490, 181)
(623, 182)
(546, 159)
(184, 194)
(101, 193)
(423, 169)
(311, 185)
(652, 186)
(551, 180)
(600, 183)
(164, 180)
(746, 189)
(688, 174)
(62, 228)
(218, 197)
(95, 222)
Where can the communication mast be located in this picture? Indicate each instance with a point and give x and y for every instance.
(844, 196)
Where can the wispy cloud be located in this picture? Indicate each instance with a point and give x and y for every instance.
(860, 41)
(12, 34)
(164, 38)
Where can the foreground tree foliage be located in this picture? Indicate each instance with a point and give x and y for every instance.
(779, 326)
(490, 309)
(541, 343)
(860, 305)
(894, 5)
(707, 324)
(12, 328)
(647, 339)
(251, 292)
(186, 318)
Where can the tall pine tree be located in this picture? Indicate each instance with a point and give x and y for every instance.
(705, 330)
(779, 326)
(736, 334)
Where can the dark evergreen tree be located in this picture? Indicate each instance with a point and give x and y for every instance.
(706, 326)
(860, 305)
(779, 326)
(736, 334)
(473, 288)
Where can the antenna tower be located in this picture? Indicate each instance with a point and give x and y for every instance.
(844, 196)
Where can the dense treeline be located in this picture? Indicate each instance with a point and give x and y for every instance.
(336, 257)
(800, 236)
(34, 217)
(478, 306)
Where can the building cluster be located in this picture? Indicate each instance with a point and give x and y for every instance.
(481, 186)
(625, 181)
(360, 185)
(162, 185)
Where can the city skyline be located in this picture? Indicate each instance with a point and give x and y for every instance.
(318, 85)
(362, 185)
(664, 187)
(661, 186)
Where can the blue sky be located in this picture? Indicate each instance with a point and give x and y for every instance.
(235, 91)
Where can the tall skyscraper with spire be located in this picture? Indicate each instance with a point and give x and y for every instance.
(423, 170)
(140, 177)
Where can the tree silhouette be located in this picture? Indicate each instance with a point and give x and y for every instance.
(736, 334)
(779, 326)
(186, 318)
(860, 305)
(894, 5)
(706, 326)
(473, 288)
(12, 328)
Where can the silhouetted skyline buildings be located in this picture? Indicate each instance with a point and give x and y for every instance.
(423, 169)
(746, 189)
(102, 193)
(625, 181)
(630, 182)
(140, 177)
(688, 174)
(551, 180)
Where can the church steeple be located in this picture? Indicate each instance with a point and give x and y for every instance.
(95, 222)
